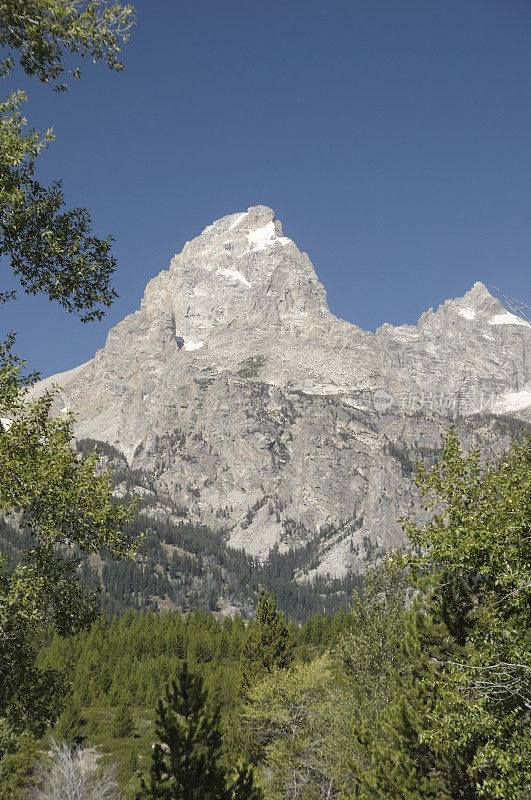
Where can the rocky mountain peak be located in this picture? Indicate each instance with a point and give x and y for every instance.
(478, 293)
(478, 301)
(477, 309)
(258, 222)
(254, 408)
(241, 271)
(240, 233)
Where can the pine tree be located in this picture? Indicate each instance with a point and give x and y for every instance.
(186, 762)
(133, 760)
(124, 722)
(243, 786)
(70, 727)
(268, 645)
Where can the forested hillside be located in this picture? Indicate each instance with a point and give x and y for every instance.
(181, 566)
(184, 566)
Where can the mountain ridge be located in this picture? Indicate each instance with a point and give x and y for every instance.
(262, 413)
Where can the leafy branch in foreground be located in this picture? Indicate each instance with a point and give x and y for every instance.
(43, 30)
(45, 487)
(51, 250)
(481, 533)
(65, 502)
(477, 548)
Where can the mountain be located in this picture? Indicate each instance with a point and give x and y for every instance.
(253, 410)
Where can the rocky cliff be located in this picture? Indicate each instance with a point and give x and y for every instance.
(253, 407)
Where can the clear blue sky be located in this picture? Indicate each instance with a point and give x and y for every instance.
(392, 138)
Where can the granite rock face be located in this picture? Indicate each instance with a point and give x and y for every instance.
(251, 405)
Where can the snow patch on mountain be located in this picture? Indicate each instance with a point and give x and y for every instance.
(508, 319)
(467, 313)
(514, 401)
(237, 221)
(265, 237)
(235, 274)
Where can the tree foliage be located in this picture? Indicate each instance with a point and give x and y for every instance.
(124, 722)
(17, 768)
(52, 249)
(367, 653)
(268, 645)
(64, 501)
(42, 31)
(132, 659)
(70, 727)
(477, 546)
(392, 754)
(186, 762)
(287, 714)
(370, 664)
(457, 721)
